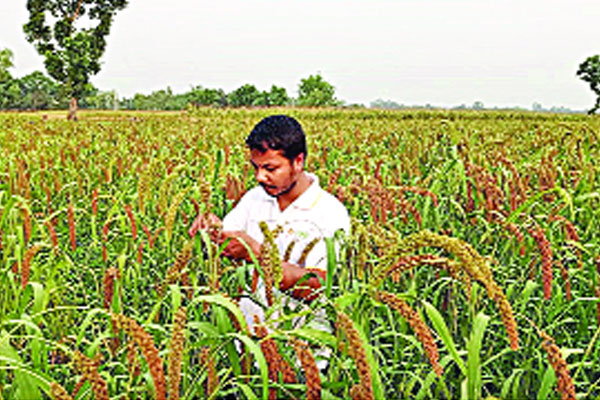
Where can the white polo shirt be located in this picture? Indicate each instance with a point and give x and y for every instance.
(314, 214)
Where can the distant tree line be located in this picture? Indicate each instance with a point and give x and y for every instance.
(37, 91)
(476, 106)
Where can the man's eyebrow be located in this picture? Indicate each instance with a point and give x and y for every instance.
(265, 165)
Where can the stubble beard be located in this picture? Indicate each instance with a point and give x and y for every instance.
(283, 191)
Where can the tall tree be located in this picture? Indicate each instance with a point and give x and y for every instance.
(6, 62)
(71, 53)
(245, 95)
(589, 71)
(278, 96)
(9, 89)
(315, 91)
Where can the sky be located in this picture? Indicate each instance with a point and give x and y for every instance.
(415, 52)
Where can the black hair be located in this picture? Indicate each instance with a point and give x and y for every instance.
(278, 132)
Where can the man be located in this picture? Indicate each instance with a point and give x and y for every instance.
(289, 197)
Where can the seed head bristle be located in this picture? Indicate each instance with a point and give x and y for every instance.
(311, 371)
(176, 352)
(57, 392)
(211, 372)
(275, 362)
(108, 282)
(417, 324)
(309, 246)
(133, 365)
(539, 235)
(172, 212)
(358, 353)
(274, 258)
(71, 218)
(565, 384)
(288, 251)
(129, 212)
(473, 264)
(88, 367)
(26, 263)
(148, 349)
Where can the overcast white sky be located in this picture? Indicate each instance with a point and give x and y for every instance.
(442, 52)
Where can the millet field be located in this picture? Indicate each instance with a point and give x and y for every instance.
(472, 269)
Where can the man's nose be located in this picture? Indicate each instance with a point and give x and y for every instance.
(261, 175)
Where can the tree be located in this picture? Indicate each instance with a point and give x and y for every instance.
(103, 100)
(38, 92)
(589, 71)
(478, 105)
(315, 91)
(9, 88)
(277, 96)
(245, 95)
(6, 62)
(200, 96)
(386, 104)
(71, 54)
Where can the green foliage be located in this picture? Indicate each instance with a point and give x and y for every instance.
(34, 91)
(6, 62)
(245, 95)
(315, 91)
(200, 96)
(71, 54)
(589, 71)
(277, 96)
(102, 100)
(157, 100)
(40, 92)
(49, 164)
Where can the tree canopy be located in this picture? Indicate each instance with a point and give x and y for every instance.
(589, 71)
(6, 62)
(315, 91)
(71, 53)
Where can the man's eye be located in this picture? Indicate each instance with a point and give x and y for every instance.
(270, 169)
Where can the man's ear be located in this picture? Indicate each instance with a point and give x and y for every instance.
(299, 163)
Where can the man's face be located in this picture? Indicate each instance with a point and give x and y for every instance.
(275, 173)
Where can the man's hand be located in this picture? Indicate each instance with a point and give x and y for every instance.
(235, 248)
(308, 289)
(204, 222)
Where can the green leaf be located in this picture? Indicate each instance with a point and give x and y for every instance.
(548, 382)
(512, 380)
(28, 382)
(247, 391)
(87, 321)
(260, 359)
(473, 360)
(316, 336)
(440, 327)
(331, 263)
(206, 328)
(223, 302)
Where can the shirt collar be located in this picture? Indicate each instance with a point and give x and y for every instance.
(311, 195)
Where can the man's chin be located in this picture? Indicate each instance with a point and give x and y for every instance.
(271, 191)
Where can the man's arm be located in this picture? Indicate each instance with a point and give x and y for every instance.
(292, 273)
(236, 249)
(307, 290)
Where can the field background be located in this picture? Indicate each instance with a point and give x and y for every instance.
(473, 254)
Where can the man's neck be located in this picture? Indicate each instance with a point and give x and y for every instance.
(302, 184)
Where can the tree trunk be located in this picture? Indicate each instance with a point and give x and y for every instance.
(72, 110)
